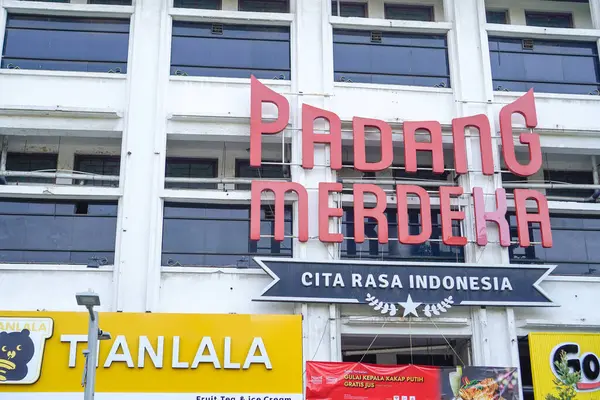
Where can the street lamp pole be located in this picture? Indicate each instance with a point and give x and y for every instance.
(90, 299)
(92, 355)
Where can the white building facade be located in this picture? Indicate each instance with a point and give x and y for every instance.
(156, 114)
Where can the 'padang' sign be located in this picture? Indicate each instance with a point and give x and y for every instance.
(384, 284)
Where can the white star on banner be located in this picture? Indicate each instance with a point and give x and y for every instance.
(410, 307)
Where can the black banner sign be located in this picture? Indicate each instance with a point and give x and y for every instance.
(404, 283)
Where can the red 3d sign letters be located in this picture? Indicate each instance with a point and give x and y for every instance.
(525, 106)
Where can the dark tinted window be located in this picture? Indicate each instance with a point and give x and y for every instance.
(205, 4)
(66, 43)
(390, 58)
(549, 19)
(276, 6)
(362, 358)
(57, 232)
(421, 175)
(545, 65)
(436, 360)
(98, 165)
(191, 168)
(496, 17)
(348, 9)
(265, 171)
(112, 2)
(574, 177)
(508, 177)
(575, 239)
(218, 235)
(408, 12)
(393, 251)
(233, 51)
(31, 162)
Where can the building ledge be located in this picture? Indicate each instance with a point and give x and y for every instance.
(54, 267)
(58, 112)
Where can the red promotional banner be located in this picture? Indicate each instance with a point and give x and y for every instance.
(356, 381)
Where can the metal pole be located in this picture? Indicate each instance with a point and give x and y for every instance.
(92, 355)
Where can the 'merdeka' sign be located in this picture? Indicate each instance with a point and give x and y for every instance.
(525, 106)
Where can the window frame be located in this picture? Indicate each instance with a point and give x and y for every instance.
(19, 24)
(81, 157)
(202, 31)
(516, 79)
(70, 249)
(253, 249)
(213, 162)
(436, 246)
(26, 180)
(179, 7)
(529, 255)
(408, 7)
(537, 13)
(241, 162)
(496, 11)
(348, 41)
(364, 5)
(287, 6)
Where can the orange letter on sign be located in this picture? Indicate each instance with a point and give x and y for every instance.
(260, 94)
(448, 216)
(309, 137)
(386, 146)
(482, 123)
(404, 235)
(525, 106)
(279, 190)
(524, 218)
(498, 216)
(360, 212)
(411, 145)
(325, 213)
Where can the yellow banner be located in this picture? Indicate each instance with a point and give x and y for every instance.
(583, 352)
(160, 353)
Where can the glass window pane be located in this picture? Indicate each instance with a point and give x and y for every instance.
(203, 4)
(545, 65)
(217, 235)
(575, 242)
(408, 12)
(190, 168)
(549, 19)
(57, 232)
(66, 43)
(98, 165)
(265, 171)
(574, 177)
(230, 50)
(432, 250)
(29, 162)
(111, 2)
(349, 9)
(390, 58)
(276, 6)
(496, 17)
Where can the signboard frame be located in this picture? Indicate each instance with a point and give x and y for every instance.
(262, 263)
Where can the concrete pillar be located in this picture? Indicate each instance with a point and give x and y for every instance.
(595, 12)
(494, 339)
(142, 154)
(312, 54)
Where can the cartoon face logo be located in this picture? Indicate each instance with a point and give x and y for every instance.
(16, 350)
(22, 343)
